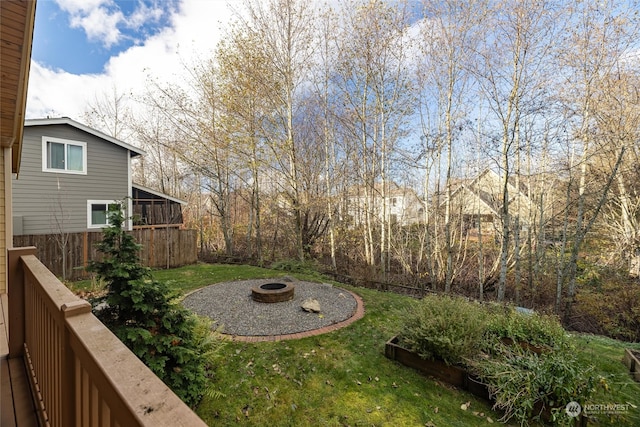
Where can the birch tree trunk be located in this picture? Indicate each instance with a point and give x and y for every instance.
(509, 78)
(448, 43)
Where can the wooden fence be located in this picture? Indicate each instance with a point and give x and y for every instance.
(161, 248)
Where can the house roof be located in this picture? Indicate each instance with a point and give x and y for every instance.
(489, 200)
(159, 194)
(70, 122)
(16, 35)
(484, 197)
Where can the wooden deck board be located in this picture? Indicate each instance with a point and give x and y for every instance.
(4, 327)
(7, 411)
(16, 402)
(22, 398)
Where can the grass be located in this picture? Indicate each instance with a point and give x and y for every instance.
(616, 385)
(336, 379)
(343, 379)
(191, 277)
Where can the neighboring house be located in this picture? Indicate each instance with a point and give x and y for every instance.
(403, 206)
(70, 175)
(16, 33)
(480, 200)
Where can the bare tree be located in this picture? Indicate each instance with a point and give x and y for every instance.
(324, 92)
(591, 54)
(376, 101)
(193, 112)
(450, 38)
(523, 33)
(161, 167)
(110, 113)
(618, 122)
(60, 219)
(284, 30)
(247, 84)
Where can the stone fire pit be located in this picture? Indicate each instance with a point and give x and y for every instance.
(272, 292)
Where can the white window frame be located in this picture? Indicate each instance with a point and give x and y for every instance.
(90, 203)
(66, 142)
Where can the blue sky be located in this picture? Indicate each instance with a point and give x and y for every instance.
(84, 49)
(61, 39)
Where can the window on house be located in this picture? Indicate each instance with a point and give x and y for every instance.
(98, 212)
(62, 155)
(394, 201)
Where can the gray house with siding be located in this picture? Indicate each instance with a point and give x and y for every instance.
(69, 175)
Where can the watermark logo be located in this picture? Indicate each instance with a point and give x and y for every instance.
(573, 409)
(607, 408)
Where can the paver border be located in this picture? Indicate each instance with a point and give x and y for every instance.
(357, 315)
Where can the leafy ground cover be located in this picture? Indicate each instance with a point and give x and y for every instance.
(343, 379)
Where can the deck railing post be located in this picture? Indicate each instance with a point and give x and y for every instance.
(71, 400)
(15, 293)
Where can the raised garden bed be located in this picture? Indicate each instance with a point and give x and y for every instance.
(450, 374)
(632, 361)
(457, 376)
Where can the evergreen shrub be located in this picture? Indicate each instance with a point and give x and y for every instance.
(144, 314)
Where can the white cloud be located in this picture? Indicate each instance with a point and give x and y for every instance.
(57, 93)
(100, 25)
(192, 34)
(76, 6)
(144, 14)
(102, 20)
(98, 18)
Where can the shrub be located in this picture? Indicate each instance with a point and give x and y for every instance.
(536, 381)
(526, 381)
(613, 310)
(539, 330)
(526, 385)
(143, 313)
(447, 328)
(306, 268)
(296, 266)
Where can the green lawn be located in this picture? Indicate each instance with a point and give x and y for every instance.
(338, 379)
(343, 379)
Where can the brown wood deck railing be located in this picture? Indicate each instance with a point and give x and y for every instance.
(81, 374)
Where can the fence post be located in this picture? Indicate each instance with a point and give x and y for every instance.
(85, 249)
(70, 400)
(15, 293)
(152, 249)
